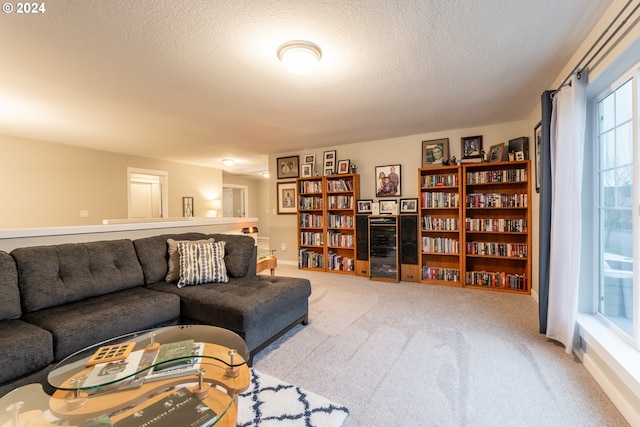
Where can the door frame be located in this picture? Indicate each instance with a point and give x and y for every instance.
(163, 177)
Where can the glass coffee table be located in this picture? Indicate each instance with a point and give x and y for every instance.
(126, 379)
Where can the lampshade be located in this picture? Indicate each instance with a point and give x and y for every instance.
(299, 57)
(216, 204)
(250, 230)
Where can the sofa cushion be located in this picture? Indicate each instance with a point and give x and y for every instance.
(173, 264)
(201, 263)
(9, 291)
(24, 348)
(240, 254)
(93, 320)
(60, 274)
(153, 254)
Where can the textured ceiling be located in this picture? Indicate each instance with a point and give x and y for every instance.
(197, 81)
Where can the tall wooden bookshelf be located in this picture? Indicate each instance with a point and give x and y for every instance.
(497, 217)
(440, 228)
(326, 222)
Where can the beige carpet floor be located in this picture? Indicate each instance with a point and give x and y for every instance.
(417, 355)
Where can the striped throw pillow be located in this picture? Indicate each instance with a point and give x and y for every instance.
(201, 263)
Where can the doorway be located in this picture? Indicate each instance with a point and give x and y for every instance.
(147, 194)
(235, 201)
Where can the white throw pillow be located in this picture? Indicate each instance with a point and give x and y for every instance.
(201, 263)
(173, 264)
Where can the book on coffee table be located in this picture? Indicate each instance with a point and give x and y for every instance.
(180, 408)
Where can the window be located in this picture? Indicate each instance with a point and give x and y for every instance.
(617, 221)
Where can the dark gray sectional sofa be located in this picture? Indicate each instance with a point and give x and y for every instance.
(56, 300)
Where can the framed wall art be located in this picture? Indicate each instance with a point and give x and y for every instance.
(388, 207)
(187, 207)
(408, 205)
(537, 132)
(364, 206)
(388, 181)
(287, 197)
(288, 167)
(471, 147)
(309, 158)
(329, 162)
(497, 152)
(306, 170)
(435, 152)
(343, 166)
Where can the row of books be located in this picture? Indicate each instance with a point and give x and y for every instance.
(497, 279)
(340, 221)
(439, 224)
(500, 225)
(341, 240)
(496, 200)
(429, 181)
(311, 238)
(310, 259)
(439, 200)
(490, 177)
(497, 249)
(440, 245)
(310, 202)
(436, 273)
(340, 202)
(339, 262)
(309, 220)
(310, 187)
(334, 185)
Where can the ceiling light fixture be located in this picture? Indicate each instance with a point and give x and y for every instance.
(227, 162)
(299, 56)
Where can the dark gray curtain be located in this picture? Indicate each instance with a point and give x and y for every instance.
(545, 210)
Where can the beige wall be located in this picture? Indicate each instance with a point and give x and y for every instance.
(47, 185)
(405, 151)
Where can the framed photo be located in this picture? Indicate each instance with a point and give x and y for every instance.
(364, 206)
(496, 152)
(408, 205)
(187, 207)
(388, 207)
(329, 162)
(309, 158)
(375, 208)
(537, 132)
(388, 181)
(287, 198)
(288, 167)
(435, 152)
(343, 166)
(517, 145)
(307, 170)
(471, 147)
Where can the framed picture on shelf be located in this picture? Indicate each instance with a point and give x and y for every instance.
(364, 206)
(520, 145)
(329, 162)
(408, 205)
(435, 152)
(287, 197)
(307, 170)
(187, 207)
(375, 208)
(388, 181)
(496, 152)
(309, 158)
(288, 167)
(388, 207)
(537, 132)
(471, 146)
(343, 166)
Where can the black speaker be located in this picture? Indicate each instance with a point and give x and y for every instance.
(362, 238)
(409, 239)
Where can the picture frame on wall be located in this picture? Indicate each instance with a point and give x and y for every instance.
(343, 166)
(471, 147)
(287, 197)
(329, 162)
(388, 207)
(408, 206)
(537, 132)
(187, 207)
(364, 206)
(388, 183)
(496, 152)
(306, 170)
(435, 152)
(288, 167)
(309, 158)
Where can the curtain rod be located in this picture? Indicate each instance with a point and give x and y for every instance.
(577, 67)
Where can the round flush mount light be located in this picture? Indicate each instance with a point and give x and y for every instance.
(227, 162)
(299, 57)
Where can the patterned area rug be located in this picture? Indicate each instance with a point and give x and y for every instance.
(272, 402)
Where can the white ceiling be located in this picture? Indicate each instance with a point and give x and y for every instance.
(197, 81)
